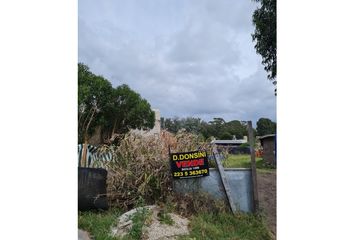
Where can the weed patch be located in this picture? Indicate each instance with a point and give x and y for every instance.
(99, 223)
(227, 226)
(165, 218)
(141, 168)
(139, 220)
(189, 204)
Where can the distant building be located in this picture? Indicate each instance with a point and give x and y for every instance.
(233, 146)
(157, 127)
(268, 143)
(234, 142)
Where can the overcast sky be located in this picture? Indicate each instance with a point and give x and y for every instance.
(187, 58)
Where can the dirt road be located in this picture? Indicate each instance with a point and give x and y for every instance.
(267, 193)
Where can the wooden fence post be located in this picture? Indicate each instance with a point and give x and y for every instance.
(253, 166)
(84, 155)
(224, 180)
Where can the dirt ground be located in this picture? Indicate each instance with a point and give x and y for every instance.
(267, 192)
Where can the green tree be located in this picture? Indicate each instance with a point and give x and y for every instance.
(172, 125)
(265, 34)
(204, 130)
(216, 128)
(224, 135)
(265, 126)
(94, 95)
(192, 124)
(236, 128)
(127, 111)
(116, 110)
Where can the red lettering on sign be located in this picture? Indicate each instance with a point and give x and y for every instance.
(190, 163)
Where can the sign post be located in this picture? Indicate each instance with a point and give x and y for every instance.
(253, 166)
(189, 164)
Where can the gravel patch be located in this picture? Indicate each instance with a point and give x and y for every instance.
(83, 235)
(154, 229)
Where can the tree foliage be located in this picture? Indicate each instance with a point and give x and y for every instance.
(238, 128)
(94, 96)
(265, 22)
(116, 110)
(265, 126)
(217, 128)
(127, 111)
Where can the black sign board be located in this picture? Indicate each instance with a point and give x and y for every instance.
(189, 164)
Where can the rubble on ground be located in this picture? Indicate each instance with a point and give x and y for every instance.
(153, 229)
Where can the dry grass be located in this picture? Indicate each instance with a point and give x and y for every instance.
(141, 168)
(140, 174)
(190, 204)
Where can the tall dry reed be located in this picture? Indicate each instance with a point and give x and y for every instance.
(141, 168)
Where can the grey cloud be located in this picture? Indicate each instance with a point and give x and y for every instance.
(204, 65)
(202, 43)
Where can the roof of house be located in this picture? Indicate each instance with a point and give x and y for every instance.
(266, 136)
(239, 141)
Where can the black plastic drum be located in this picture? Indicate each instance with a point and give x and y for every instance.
(92, 189)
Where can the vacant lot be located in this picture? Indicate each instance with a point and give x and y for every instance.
(205, 225)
